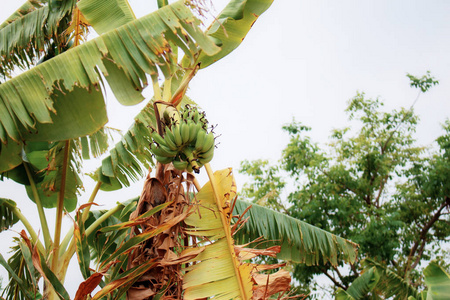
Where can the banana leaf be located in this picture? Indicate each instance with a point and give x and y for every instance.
(103, 16)
(137, 48)
(48, 158)
(22, 284)
(10, 155)
(360, 287)
(437, 281)
(7, 216)
(27, 7)
(217, 272)
(231, 27)
(391, 284)
(103, 244)
(300, 242)
(29, 32)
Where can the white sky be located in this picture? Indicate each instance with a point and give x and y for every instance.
(304, 59)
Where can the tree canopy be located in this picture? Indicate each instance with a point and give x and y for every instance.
(373, 184)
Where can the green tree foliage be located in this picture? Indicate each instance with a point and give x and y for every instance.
(372, 184)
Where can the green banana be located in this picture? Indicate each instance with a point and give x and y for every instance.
(185, 114)
(160, 151)
(206, 157)
(157, 138)
(170, 142)
(194, 128)
(195, 115)
(184, 131)
(189, 153)
(170, 139)
(164, 160)
(208, 142)
(168, 150)
(180, 165)
(177, 135)
(200, 140)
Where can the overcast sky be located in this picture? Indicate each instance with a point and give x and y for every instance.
(305, 59)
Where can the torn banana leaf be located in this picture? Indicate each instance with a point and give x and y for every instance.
(218, 273)
(24, 9)
(360, 287)
(103, 244)
(23, 277)
(300, 242)
(7, 216)
(130, 157)
(135, 49)
(390, 283)
(29, 32)
(103, 16)
(48, 159)
(231, 27)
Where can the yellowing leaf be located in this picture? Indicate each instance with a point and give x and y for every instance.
(219, 273)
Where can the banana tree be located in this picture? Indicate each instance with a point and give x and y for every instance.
(53, 117)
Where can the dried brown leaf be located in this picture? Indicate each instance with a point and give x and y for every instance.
(249, 253)
(268, 285)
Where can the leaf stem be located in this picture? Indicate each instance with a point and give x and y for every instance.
(91, 200)
(26, 223)
(101, 219)
(67, 256)
(69, 235)
(60, 206)
(43, 220)
(226, 227)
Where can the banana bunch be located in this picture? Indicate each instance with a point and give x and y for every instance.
(186, 142)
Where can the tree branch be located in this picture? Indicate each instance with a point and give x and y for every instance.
(419, 255)
(336, 283)
(380, 191)
(423, 235)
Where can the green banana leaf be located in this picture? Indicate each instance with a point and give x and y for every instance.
(45, 167)
(10, 155)
(136, 48)
(7, 216)
(300, 242)
(71, 108)
(360, 287)
(82, 246)
(23, 277)
(103, 244)
(421, 296)
(103, 16)
(26, 8)
(390, 284)
(128, 158)
(231, 27)
(437, 281)
(29, 32)
(48, 158)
